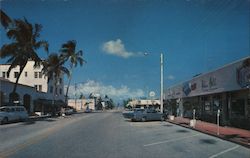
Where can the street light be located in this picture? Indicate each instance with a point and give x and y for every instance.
(161, 82)
(161, 77)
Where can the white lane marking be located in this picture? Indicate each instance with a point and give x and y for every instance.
(171, 140)
(225, 151)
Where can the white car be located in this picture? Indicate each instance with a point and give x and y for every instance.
(12, 113)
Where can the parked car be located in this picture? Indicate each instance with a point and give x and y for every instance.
(130, 113)
(13, 113)
(69, 111)
(148, 115)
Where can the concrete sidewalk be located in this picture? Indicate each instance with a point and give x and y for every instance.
(236, 135)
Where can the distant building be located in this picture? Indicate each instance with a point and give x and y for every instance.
(144, 103)
(82, 104)
(226, 89)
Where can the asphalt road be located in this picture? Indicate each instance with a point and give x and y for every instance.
(108, 135)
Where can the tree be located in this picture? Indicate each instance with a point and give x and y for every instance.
(53, 68)
(125, 103)
(69, 53)
(24, 45)
(6, 21)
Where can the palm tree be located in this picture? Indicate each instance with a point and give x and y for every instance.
(23, 48)
(6, 21)
(68, 52)
(53, 68)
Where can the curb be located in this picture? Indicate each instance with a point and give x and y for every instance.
(211, 134)
(35, 118)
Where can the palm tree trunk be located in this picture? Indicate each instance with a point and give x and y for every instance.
(54, 93)
(67, 91)
(17, 79)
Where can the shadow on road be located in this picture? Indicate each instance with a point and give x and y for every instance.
(182, 131)
(208, 141)
(168, 125)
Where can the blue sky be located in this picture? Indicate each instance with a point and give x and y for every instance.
(195, 36)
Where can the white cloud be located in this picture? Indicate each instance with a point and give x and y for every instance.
(171, 77)
(117, 48)
(117, 94)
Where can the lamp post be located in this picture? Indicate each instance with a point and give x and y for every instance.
(161, 78)
(161, 82)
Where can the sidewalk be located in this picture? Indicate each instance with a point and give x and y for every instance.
(236, 135)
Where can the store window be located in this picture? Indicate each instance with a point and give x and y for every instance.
(51, 89)
(238, 107)
(217, 103)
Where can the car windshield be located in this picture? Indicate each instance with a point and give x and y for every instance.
(124, 78)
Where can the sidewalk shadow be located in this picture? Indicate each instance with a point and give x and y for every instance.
(182, 131)
(168, 125)
(31, 122)
(208, 141)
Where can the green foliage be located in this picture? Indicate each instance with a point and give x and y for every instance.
(24, 37)
(125, 102)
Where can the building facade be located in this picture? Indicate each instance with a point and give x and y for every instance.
(226, 89)
(145, 103)
(34, 90)
(82, 104)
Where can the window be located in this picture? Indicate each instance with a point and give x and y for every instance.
(238, 107)
(56, 91)
(15, 74)
(4, 74)
(40, 74)
(36, 74)
(60, 80)
(51, 89)
(60, 90)
(40, 87)
(26, 74)
(36, 86)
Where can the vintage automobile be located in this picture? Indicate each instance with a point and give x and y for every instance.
(12, 113)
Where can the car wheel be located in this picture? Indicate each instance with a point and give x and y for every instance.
(143, 119)
(4, 121)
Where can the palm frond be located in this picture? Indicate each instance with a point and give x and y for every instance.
(5, 19)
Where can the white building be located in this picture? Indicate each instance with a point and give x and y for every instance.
(33, 77)
(82, 104)
(34, 89)
(144, 103)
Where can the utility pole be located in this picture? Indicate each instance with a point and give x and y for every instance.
(75, 95)
(161, 83)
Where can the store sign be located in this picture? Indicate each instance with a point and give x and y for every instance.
(243, 74)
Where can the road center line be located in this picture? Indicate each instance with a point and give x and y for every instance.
(225, 151)
(171, 140)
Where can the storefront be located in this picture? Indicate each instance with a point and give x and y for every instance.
(226, 89)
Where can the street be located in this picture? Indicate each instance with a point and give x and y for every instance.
(109, 135)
